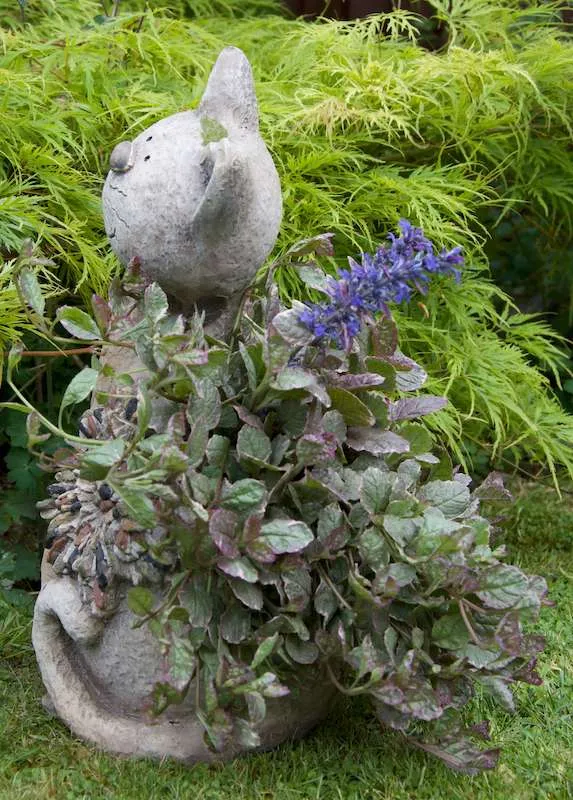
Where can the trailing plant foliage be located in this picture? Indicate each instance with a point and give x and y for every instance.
(378, 128)
(281, 493)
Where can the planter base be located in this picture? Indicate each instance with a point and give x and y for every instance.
(99, 677)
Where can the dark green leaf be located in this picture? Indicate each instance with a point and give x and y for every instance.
(450, 632)
(293, 417)
(239, 568)
(301, 652)
(375, 441)
(333, 422)
(137, 506)
(217, 450)
(246, 495)
(297, 585)
(286, 535)
(354, 411)
(375, 489)
(477, 656)
(197, 442)
(173, 460)
(291, 378)
(451, 497)
(249, 366)
(418, 437)
(250, 594)
(374, 550)
(279, 448)
(78, 323)
(253, 444)
(155, 303)
(264, 650)
(197, 598)
(235, 624)
(288, 325)
(80, 387)
(181, 661)
(325, 601)
(105, 455)
(313, 276)
(31, 290)
(205, 405)
(436, 534)
(502, 586)
(365, 658)
(378, 405)
(313, 448)
(329, 519)
(320, 244)
(402, 529)
(140, 601)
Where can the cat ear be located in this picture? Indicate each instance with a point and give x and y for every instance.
(229, 96)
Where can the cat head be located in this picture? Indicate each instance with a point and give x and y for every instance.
(196, 197)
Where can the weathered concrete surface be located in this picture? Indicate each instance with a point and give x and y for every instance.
(99, 676)
(196, 197)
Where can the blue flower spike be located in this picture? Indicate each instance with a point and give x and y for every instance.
(386, 277)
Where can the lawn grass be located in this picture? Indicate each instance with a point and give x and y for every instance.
(347, 757)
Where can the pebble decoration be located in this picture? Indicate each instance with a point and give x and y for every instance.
(89, 535)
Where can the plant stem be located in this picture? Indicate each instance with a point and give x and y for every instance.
(473, 636)
(285, 478)
(76, 351)
(68, 437)
(332, 587)
(348, 692)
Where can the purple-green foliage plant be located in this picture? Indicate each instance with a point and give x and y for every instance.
(299, 514)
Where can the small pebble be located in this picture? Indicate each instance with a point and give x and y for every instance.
(55, 489)
(105, 491)
(131, 408)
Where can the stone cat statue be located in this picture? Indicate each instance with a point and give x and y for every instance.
(196, 197)
(196, 200)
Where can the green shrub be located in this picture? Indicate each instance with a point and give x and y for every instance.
(364, 129)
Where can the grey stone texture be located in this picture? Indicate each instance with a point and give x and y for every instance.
(99, 677)
(196, 197)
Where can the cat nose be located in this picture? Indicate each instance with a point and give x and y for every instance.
(121, 159)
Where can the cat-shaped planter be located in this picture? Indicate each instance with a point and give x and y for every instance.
(196, 200)
(196, 197)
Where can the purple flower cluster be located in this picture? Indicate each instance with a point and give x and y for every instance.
(386, 277)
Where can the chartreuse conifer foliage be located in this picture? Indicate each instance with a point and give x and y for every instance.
(365, 125)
